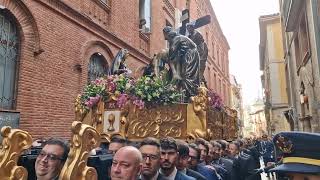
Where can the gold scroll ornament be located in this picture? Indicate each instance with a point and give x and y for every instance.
(158, 121)
(14, 142)
(84, 139)
(92, 117)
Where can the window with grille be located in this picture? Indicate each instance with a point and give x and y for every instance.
(9, 61)
(97, 67)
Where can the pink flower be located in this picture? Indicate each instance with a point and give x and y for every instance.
(215, 100)
(97, 81)
(139, 103)
(122, 100)
(88, 104)
(111, 86)
(92, 101)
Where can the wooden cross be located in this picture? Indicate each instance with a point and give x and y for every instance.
(185, 19)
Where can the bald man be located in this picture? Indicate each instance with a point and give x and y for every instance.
(126, 164)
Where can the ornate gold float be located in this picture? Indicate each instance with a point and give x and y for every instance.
(181, 120)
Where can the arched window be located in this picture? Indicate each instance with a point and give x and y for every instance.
(98, 67)
(9, 61)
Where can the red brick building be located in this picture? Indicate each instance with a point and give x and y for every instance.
(217, 71)
(50, 48)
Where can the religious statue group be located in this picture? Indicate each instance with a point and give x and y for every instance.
(186, 58)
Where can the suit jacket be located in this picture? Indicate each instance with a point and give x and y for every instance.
(226, 163)
(221, 171)
(160, 177)
(244, 166)
(179, 176)
(195, 174)
(206, 172)
(267, 150)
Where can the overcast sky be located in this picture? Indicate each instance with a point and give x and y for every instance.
(239, 20)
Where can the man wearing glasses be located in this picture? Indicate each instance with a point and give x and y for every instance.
(51, 159)
(150, 150)
(194, 163)
(183, 161)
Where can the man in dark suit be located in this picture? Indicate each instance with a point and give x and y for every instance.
(222, 165)
(244, 164)
(267, 150)
(183, 161)
(204, 149)
(168, 159)
(126, 164)
(150, 150)
(224, 147)
(194, 163)
(51, 159)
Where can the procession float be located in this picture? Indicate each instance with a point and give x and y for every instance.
(168, 100)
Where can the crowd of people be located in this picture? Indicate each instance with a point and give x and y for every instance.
(174, 159)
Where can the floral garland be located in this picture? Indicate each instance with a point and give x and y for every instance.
(119, 90)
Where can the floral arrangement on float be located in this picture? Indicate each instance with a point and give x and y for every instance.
(119, 90)
(215, 101)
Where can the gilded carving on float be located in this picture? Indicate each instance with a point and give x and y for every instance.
(124, 124)
(160, 121)
(92, 117)
(84, 139)
(199, 114)
(80, 110)
(14, 142)
(200, 104)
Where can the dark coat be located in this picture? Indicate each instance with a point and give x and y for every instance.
(244, 168)
(195, 174)
(226, 163)
(179, 176)
(206, 172)
(253, 151)
(221, 171)
(267, 151)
